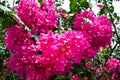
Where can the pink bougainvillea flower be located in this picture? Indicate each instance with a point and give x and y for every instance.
(15, 37)
(112, 65)
(88, 65)
(100, 5)
(38, 18)
(98, 30)
(76, 43)
(75, 77)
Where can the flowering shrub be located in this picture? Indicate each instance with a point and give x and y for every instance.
(43, 49)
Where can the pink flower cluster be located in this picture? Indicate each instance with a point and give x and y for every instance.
(75, 77)
(98, 30)
(112, 65)
(50, 54)
(39, 18)
(15, 37)
(70, 45)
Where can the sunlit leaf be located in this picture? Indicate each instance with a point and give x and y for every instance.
(5, 9)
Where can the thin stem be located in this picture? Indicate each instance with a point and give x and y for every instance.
(112, 49)
(111, 19)
(114, 26)
(13, 4)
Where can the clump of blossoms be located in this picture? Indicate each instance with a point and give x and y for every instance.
(98, 30)
(39, 57)
(39, 18)
(75, 77)
(112, 65)
(16, 37)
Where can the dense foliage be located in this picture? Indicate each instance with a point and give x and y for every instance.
(41, 41)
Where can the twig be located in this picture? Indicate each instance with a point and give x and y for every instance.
(114, 26)
(111, 18)
(13, 4)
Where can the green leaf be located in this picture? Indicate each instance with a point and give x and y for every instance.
(112, 20)
(99, 1)
(10, 22)
(102, 11)
(84, 4)
(117, 55)
(116, 16)
(111, 8)
(73, 4)
(17, 1)
(74, 7)
(40, 1)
